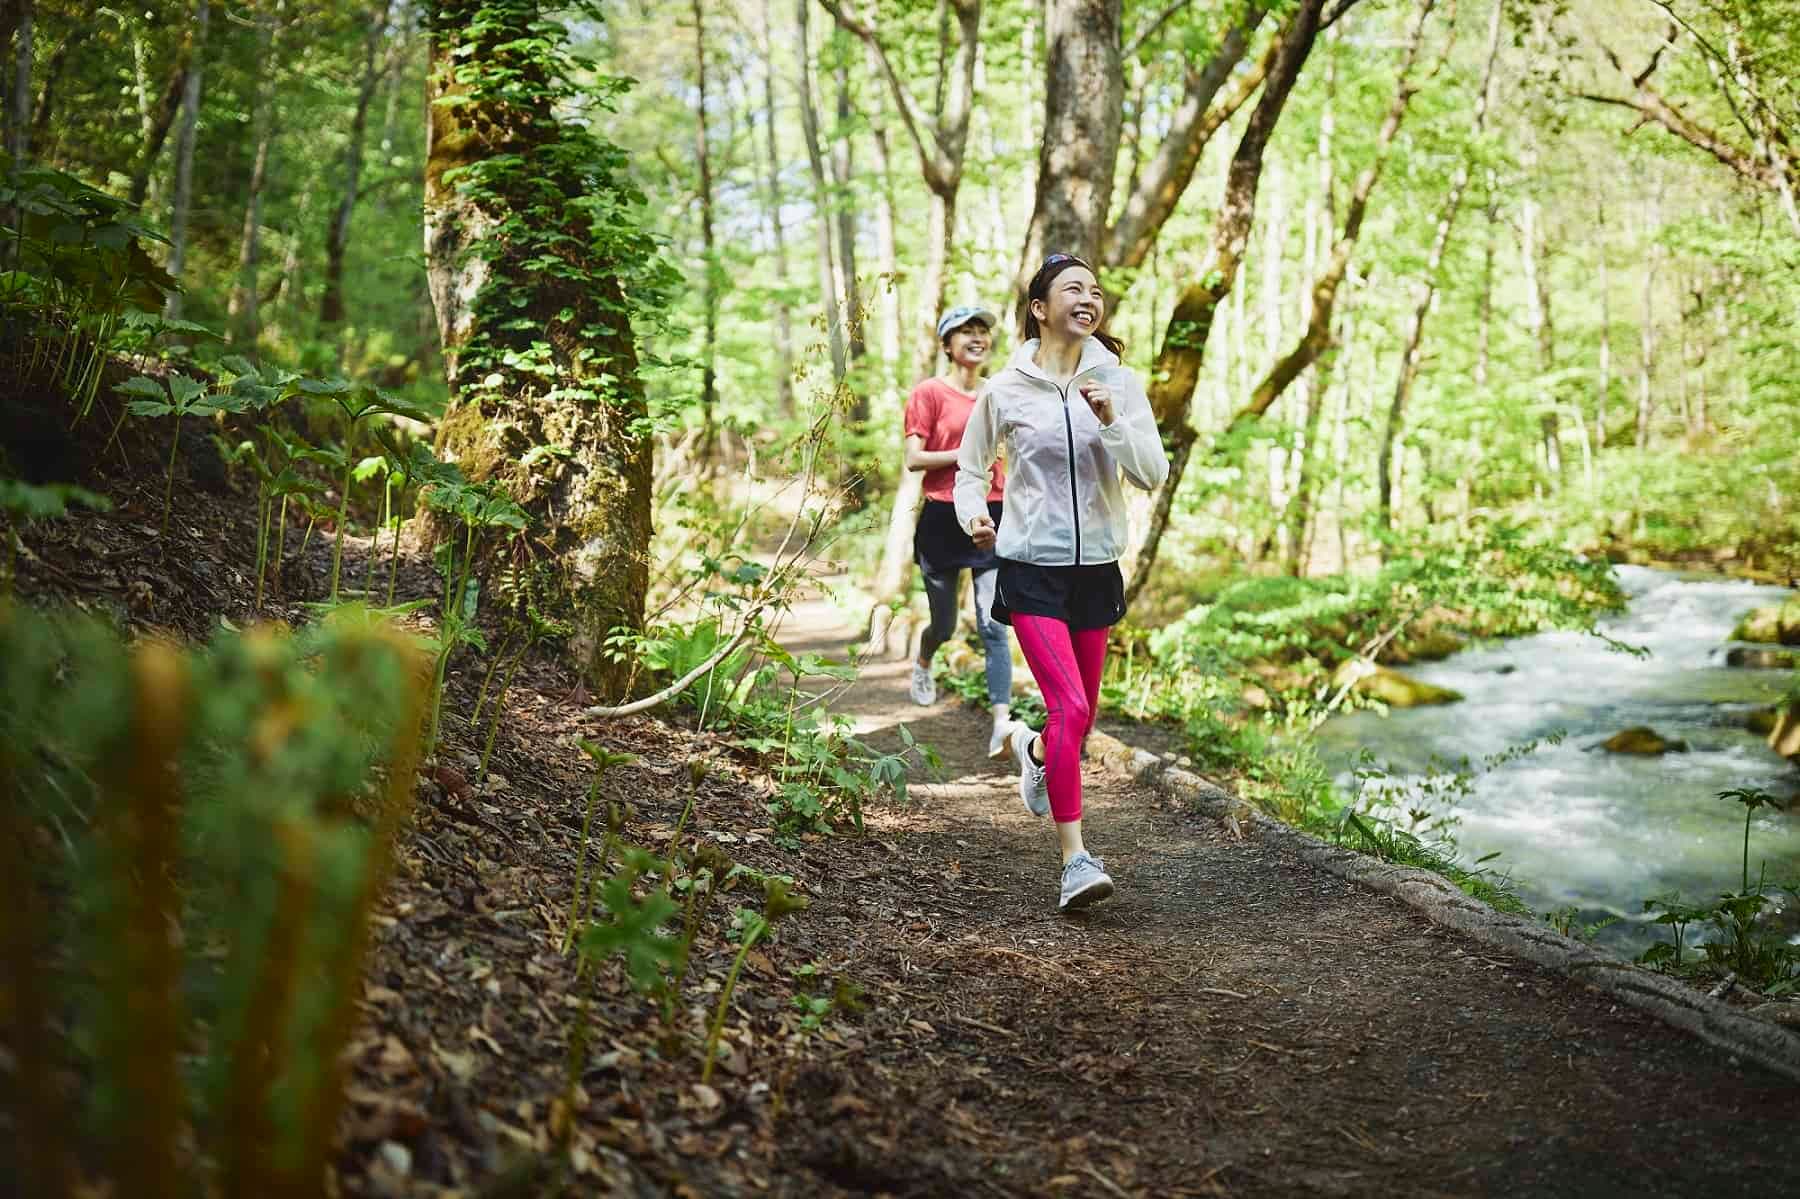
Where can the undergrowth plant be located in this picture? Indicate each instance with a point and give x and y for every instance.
(79, 269)
(357, 402)
(1741, 946)
(778, 903)
(190, 850)
(480, 508)
(179, 396)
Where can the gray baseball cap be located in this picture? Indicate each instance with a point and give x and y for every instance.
(961, 315)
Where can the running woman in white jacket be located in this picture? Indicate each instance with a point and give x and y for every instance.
(1072, 420)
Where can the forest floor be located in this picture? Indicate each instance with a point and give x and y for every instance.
(1234, 1022)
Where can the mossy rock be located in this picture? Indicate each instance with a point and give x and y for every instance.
(1784, 734)
(1643, 741)
(1433, 645)
(1762, 721)
(1399, 691)
(1756, 658)
(1774, 624)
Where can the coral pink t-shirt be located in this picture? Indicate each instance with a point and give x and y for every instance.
(938, 412)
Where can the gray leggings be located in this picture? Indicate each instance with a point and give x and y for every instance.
(940, 591)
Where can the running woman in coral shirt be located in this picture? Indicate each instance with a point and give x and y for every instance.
(936, 413)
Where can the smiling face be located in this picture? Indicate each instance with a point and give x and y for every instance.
(1073, 305)
(968, 344)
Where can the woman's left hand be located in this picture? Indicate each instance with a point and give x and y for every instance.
(1100, 399)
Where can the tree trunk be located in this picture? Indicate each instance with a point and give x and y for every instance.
(184, 158)
(843, 169)
(1412, 349)
(1647, 329)
(940, 137)
(1543, 331)
(710, 276)
(1317, 336)
(159, 120)
(1317, 382)
(784, 329)
(337, 238)
(18, 113)
(809, 126)
(1605, 382)
(887, 253)
(242, 318)
(578, 388)
(1084, 94)
(1183, 351)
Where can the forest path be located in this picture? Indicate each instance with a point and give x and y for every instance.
(1235, 1021)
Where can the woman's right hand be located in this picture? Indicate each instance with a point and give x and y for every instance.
(982, 533)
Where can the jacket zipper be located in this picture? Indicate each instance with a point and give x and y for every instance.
(1074, 494)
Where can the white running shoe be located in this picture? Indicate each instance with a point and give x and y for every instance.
(1001, 741)
(1084, 882)
(1031, 775)
(924, 687)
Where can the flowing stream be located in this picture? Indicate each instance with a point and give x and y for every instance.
(1578, 826)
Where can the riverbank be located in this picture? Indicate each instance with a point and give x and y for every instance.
(1517, 770)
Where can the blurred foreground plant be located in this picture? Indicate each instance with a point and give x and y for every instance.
(191, 845)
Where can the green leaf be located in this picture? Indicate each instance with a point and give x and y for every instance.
(143, 385)
(185, 390)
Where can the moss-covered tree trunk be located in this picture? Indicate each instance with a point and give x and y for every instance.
(531, 250)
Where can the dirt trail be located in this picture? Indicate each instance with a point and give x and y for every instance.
(1235, 1021)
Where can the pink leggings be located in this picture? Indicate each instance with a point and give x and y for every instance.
(1066, 664)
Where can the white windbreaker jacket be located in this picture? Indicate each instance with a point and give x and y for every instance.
(1064, 506)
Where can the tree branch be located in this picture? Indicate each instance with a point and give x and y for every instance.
(927, 135)
(1336, 14)
(1315, 339)
(1650, 106)
(1200, 114)
(1149, 31)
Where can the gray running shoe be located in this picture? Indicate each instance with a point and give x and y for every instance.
(924, 687)
(1031, 775)
(1084, 882)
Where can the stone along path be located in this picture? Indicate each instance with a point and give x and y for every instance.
(1235, 1021)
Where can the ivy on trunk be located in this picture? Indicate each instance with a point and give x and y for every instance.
(538, 264)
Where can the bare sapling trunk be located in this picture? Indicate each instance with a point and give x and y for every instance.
(815, 160)
(242, 317)
(184, 159)
(1647, 327)
(18, 110)
(1413, 346)
(1176, 370)
(843, 169)
(784, 328)
(709, 266)
(337, 237)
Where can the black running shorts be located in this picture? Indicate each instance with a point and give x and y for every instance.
(1082, 597)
